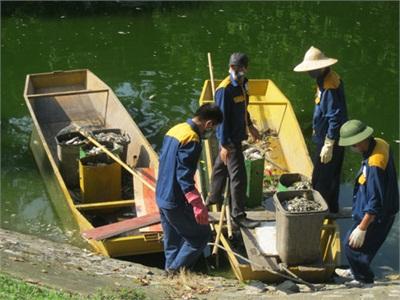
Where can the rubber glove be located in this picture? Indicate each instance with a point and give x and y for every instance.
(326, 151)
(357, 237)
(199, 209)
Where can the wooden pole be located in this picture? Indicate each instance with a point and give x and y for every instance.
(225, 207)
(210, 68)
(116, 158)
(221, 219)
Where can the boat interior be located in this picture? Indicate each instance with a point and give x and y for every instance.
(272, 114)
(74, 100)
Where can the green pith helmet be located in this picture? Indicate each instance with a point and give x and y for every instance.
(353, 132)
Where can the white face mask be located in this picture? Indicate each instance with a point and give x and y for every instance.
(236, 75)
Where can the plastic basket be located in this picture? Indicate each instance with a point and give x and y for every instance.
(298, 234)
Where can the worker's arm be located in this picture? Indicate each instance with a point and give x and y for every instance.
(366, 221)
(374, 198)
(223, 132)
(188, 157)
(334, 109)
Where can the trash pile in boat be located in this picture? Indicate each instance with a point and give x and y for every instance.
(300, 204)
(300, 185)
(113, 139)
(262, 149)
(85, 166)
(270, 184)
(259, 149)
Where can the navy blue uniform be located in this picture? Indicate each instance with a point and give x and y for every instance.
(330, 113)
(232, 98)
(184, 238)
(375, 192)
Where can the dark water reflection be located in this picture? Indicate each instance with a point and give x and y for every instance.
(153, 55)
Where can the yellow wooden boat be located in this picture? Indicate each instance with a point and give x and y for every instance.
(58, 99)
(270, 109)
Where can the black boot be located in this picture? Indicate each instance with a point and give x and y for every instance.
(211, 201)
(242, 221)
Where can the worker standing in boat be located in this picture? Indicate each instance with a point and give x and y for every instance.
(375, 200)
(184, 217)
(232, 98)
(330, 113)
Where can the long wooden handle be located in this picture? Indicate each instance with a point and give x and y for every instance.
(221, 218)
(210, 68)
(117, 159)
(219, 229)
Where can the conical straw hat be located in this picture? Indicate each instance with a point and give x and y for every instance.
(314, 59)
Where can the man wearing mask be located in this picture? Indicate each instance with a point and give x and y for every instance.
(330, 113)
(375, 200)
(184, 217)
(232, 98)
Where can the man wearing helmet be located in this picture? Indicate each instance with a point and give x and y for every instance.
(375, 200)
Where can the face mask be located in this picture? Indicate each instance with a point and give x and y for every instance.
(240, 75)
(237, 75)
(314, 73)
(207, 133)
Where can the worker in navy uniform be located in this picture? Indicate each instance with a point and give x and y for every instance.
(375, 200)
(184, 217)
(232, 97)
(330, 113)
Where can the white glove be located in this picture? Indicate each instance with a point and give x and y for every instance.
(326, 151)
(357, 237)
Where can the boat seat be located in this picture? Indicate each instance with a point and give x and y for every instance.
(67, 93)
(105, 205)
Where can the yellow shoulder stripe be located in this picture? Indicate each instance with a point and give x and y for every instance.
(183, 133)
(332, 81)
(224, 83)
(380, 156)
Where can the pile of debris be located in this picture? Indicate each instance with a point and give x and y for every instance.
(258, 149)
(301, 204)
(300, 185)
(113, 141)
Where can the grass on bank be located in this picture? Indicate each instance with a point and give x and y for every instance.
(12, 288)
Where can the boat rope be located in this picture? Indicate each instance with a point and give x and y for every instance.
(290, 276)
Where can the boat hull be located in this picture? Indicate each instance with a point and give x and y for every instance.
(63, 84)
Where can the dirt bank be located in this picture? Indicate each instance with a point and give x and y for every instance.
(69, 268)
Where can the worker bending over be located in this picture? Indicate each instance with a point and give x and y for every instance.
(375, 200)
(184, 218)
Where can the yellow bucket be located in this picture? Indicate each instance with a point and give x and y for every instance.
(100, 182)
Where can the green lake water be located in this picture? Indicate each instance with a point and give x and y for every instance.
(154, 56)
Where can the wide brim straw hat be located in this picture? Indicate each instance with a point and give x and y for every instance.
(314, 59)
(354, 131)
